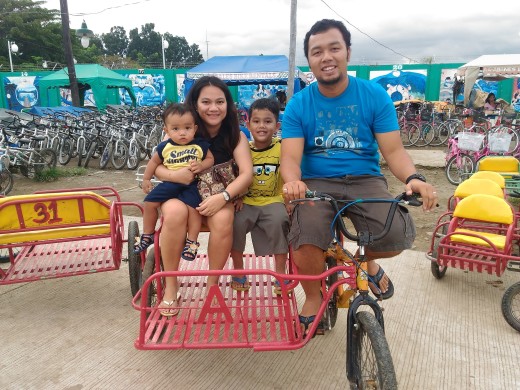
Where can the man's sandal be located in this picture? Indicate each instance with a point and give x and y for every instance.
(375, 279)
(146, 241)
(190, 250)
(240, 283)
(170, 308)
(307, 323)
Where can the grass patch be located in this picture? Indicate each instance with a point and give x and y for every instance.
(53, 174)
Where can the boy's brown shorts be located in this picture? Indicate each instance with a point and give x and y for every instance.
(311, 222)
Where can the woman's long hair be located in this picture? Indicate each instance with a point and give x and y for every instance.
(229, 128)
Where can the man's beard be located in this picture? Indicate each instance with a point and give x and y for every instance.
(333, 81)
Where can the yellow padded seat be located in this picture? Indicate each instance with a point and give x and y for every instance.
(505, 165)
(478, 186)
(485, 208)
(490, 175)
(498, 240)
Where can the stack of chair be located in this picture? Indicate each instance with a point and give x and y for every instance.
(478, 230)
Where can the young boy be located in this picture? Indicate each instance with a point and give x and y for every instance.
(262, 211)
(181, 150)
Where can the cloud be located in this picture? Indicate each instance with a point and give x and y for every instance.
(447, 30)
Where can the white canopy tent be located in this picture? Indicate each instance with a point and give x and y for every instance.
(489, 67)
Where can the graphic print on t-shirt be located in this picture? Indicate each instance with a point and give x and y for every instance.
(336, 131)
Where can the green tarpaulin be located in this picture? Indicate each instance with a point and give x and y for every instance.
(104, 83)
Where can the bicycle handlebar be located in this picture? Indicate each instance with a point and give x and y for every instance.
(362, 237)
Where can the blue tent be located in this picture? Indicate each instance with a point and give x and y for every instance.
(244, 70)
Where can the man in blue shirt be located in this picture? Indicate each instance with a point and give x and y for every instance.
(332, 133)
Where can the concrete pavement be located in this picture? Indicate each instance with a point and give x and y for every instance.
(78, 333)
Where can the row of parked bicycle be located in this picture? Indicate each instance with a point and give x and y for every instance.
(425, 123)
(29, 144)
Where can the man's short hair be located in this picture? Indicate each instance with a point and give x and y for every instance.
(323, 26)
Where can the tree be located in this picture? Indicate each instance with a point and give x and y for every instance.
(116, 41)
(146, 47)
(180, 53)
(36, 30)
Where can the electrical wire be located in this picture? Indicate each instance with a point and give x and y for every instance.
(369, 36)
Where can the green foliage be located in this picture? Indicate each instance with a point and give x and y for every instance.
(53, 174)
(116, 41)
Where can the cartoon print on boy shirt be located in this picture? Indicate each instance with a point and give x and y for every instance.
(265, 175)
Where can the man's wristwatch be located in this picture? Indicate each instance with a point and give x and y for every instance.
(417, 176)
(226, 196)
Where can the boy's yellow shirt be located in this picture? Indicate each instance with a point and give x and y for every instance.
(267, 181)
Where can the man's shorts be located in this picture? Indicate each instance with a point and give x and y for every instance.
(269, 226)
(167, 190)
(311, 222)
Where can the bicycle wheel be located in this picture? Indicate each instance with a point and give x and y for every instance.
(331, 313)
(65, 151)
(426, 135)
(455, 126)
(105, 155)
(133, 156)
(373, 361)
(455, 173)
(30, 169)
(405, 133)
(49, 158)
(414, 133)
(6, 181)
(511, 306)
(119, 155)
(134, 259)
(80, 152)
(442, 133)
(90, 153)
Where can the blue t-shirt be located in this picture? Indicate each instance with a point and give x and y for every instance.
(339, 132)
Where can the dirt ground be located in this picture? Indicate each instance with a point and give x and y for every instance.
(124, 181)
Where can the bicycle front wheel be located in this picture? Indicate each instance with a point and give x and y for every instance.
(49, 158)
(459, 168)
(133, 156)
(119, 155)
(6, 181)
(442, 133)
(375, 368)
(65, 151)
(105, 155)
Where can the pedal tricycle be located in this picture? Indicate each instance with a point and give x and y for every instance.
(59, 233)
(220, 317)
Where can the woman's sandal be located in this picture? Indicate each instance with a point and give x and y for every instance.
(170, 308)
(240, 283)
(375, 279)
(146, 241)
(190, 250)
(277, 289)
(307, 323)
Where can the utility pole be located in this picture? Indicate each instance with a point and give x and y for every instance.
(207, 46)
(292, 51)
(67, 46)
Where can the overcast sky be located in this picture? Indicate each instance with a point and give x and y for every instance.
(383, 32)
